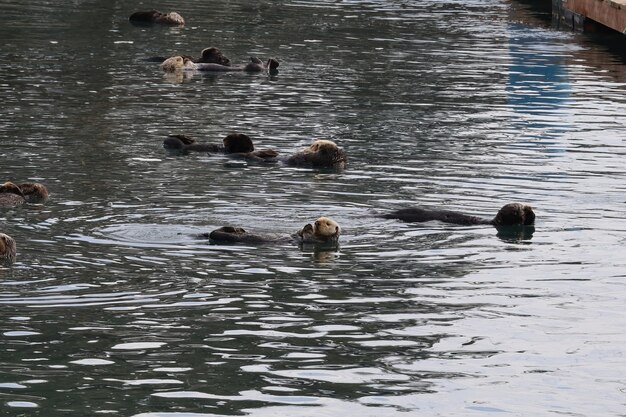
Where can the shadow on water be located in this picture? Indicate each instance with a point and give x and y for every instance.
(539, 13)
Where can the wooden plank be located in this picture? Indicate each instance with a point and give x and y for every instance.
(611, 13)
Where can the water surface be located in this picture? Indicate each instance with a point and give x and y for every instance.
(116, 307)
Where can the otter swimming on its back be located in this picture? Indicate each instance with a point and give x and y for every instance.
(155, 16)
(211, 55)
(7, 248)
(512, 214)
(184, 143)
(320, 154)
(234, 144)
(323, 231)
(182, 63)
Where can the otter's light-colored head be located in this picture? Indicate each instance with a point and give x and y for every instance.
(174, 18)
(326, 228)
(177, 63)
(322, 145)
(7, 248)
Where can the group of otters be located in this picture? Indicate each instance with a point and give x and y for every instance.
(320, 154)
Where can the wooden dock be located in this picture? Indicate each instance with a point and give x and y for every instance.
(582, 14)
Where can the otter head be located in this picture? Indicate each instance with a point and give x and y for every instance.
(326, 229)
(7, 247)
(327, 152)
(272, 64)
(9, 187)
(238, 143)
(171, 18)
(177, 63)
(213, 55)
(34, 192)
(515, 214)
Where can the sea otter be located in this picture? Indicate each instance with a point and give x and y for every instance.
(11, 195)
(323, 231)
(156, 17)
(7, 248)
(182, 63)
(34, 192)
(512, 214)
(211, 55)
(320, 154)
(234, 144)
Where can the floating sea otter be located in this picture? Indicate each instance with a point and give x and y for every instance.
(13, 195)
(156, 17)
(210, 55)
(320, 154)
(182, 63)
(7, 248)
(512, 214)
(323, 231)
(34, 192)
(234, 144)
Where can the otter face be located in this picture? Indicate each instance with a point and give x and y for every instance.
(326, 229)
(177, 63)
(34, 192)
(173, 64)
(515, 214)
(322, 145)
(327, 152)
(213, 55)
(9, 187)
(238, 143)
(7, 247)
(171, 18)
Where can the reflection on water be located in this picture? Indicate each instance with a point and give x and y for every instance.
(115, 306)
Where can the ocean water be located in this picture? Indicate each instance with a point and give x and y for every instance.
(116, 307)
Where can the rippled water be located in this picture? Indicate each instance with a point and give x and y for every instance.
(114, 307)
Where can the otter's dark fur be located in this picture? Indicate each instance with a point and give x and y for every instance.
(34, 192)
(323, 231)
(512, 214)
(211, 55)
(234, 144)
(151, 17)
(255, 65)
(186, 63)
(11, 195)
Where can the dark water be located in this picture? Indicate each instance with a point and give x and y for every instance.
(114, 308)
